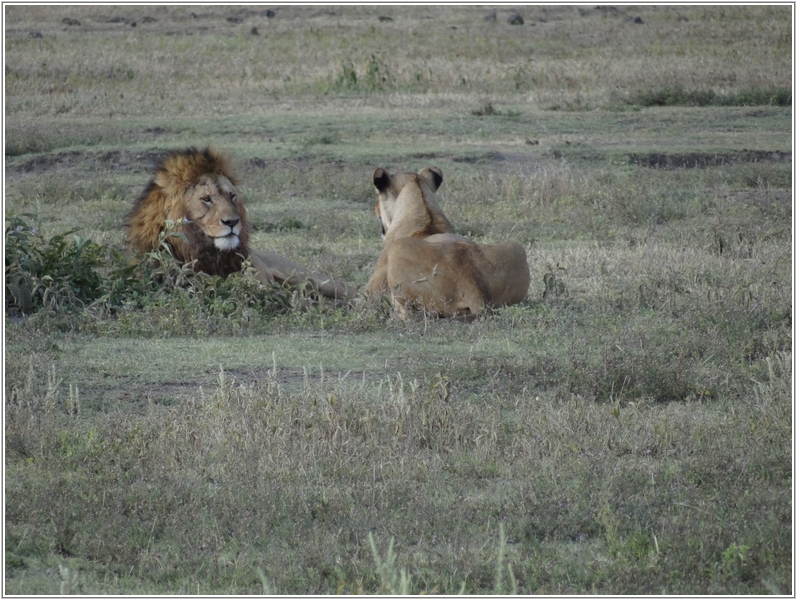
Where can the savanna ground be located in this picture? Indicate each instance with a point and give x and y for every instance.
(625, 430)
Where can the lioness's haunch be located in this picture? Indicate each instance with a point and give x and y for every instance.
(426, 265)
(196, 189)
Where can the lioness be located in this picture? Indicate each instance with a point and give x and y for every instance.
(426, 265)
(197, 190)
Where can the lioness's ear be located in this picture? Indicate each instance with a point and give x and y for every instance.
(381, 179)
(434, 175)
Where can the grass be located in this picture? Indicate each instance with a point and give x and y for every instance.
(562, 59)
(380, 448)
(624, 430)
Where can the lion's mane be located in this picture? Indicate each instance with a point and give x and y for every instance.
(165, 198)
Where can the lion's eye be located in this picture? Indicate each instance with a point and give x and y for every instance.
(208, 200)
(233, 198)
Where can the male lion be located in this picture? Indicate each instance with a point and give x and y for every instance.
(426, 265)
(197, 190)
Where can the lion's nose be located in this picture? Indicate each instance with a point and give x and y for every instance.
(230, 222)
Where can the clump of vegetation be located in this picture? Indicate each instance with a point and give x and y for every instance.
(62, 274)
(375, 76)
(51, 273)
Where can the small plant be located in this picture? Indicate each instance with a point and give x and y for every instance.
(485, 110)
(554, 284)
(499, 569)
(70, 583)
(347, 79)
(376, 77)
(394, 582)
(735, 561)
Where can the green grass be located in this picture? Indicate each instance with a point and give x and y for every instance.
(624, 430)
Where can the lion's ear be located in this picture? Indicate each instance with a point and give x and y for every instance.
(433, 175)
(381, 179)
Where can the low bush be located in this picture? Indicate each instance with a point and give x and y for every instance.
(66, 274)
(51, 273)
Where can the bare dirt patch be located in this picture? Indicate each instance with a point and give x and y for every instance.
(498, 160)
(691, 160)
(114, 159)
(136, 396)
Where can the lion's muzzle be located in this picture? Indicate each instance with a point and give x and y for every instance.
(231, 240)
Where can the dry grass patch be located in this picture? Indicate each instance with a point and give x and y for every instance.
(562, 58)
(248, 477)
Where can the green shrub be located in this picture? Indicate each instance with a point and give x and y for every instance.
(50, 273)
(74, 274)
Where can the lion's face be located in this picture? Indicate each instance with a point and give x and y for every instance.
(212, 206)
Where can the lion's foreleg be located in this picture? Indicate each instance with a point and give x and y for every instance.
(400, 302)
(377, 283)
(262, 271)
(286, 272)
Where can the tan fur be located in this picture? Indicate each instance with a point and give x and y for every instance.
(426, 265)
(197, 189)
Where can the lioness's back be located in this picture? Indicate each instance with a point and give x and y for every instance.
(510, 272)
(424, 263)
